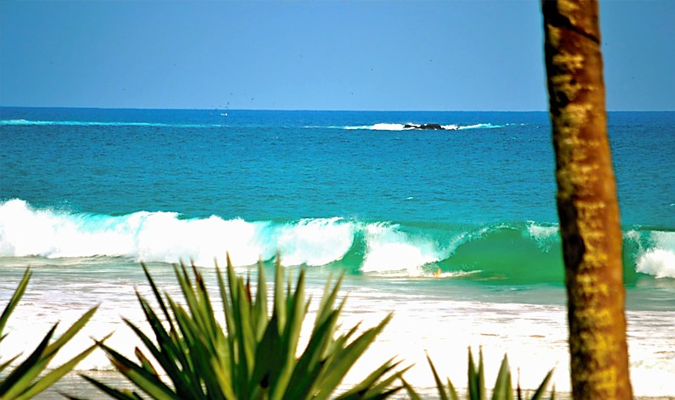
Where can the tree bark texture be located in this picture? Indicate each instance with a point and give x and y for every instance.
(587, 203)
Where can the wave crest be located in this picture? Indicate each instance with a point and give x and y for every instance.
(517, 252)
(656, 254)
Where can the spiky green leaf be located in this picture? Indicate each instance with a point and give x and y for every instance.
(112, 392)
(14, 301)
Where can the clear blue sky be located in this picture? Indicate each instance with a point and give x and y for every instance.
(329, 55)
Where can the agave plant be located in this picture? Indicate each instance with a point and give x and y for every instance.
(255, 356)
(24, 380)
(503, 389)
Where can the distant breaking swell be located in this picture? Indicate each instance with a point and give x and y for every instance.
(384, 126)
(25, 122)
(524, 252)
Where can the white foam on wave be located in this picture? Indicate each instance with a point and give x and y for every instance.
(378, 127)
(388, 249)
(481, 126)
(315, 242)
(27, 232)
(543, 235)
(165, 237)
(657, 258)
(657, 262)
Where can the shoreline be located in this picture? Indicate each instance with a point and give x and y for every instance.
(72, 384)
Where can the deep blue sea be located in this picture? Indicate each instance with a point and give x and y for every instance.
(460, 220)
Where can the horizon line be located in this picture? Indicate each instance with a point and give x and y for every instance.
(295, 110)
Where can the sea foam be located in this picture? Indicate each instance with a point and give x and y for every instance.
(654, 251)
(658, 258)
(391, 250)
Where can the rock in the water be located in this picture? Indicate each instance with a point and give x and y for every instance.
(431, 126)
(424, 126)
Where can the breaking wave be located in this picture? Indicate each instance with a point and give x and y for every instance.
(526, 252)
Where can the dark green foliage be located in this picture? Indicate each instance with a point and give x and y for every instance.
(503, 389)
(24, 381)
(255, 356)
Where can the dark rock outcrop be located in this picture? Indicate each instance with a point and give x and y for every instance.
(424, 126)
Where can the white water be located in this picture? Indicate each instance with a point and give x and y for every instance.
(444, 322)
(166, 237)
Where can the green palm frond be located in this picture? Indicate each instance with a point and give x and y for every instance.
(255, 355)
(28, 378)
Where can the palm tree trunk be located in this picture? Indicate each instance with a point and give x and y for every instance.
(587, 202)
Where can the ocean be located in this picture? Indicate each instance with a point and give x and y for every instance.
(453, 230)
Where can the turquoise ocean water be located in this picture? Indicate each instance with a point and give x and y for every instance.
(454, 230)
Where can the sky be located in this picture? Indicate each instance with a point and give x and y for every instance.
(449, 55)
